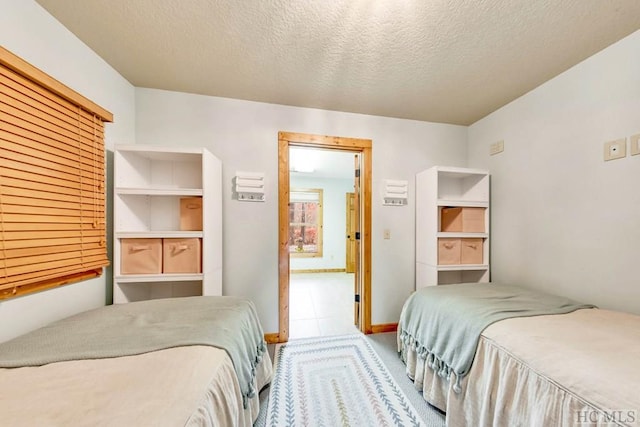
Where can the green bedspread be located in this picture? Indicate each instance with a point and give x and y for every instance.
(127, 329)
(443, 323)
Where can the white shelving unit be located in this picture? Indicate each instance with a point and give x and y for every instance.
(436, 188)
(148, 184)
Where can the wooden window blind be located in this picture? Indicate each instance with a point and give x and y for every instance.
(52, 181)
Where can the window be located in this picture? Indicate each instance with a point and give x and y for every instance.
(305, 223)
(52, 181)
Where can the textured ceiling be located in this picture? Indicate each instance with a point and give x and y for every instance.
(450, 61)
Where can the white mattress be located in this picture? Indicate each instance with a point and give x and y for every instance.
(192, 386)
(581, 368)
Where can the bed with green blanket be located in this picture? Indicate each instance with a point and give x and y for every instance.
(176, 361)
(496, 354)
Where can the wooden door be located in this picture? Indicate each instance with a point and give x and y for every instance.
(351, 233)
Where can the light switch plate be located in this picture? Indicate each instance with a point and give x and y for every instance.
(496, 147)
(634, 143)
(615, 149)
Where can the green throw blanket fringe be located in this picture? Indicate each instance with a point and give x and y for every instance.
(228, 323)
(442, 324)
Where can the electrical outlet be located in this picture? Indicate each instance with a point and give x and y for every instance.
(387, 234)
(634, 143)
(496, 147)
(615, 149)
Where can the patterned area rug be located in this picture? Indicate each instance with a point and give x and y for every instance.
(335, 381)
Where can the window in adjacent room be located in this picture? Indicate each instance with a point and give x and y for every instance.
(305, 223)
(52, 181)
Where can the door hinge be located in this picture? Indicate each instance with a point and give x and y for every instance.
(357, 298)
(357, 173)
(357, 235)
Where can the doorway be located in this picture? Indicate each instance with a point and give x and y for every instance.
(321, 289)
(362, 149)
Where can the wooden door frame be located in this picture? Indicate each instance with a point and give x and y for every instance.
(354, 145)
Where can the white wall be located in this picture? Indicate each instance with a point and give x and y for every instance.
(563, 220)
(334, 223)
(244, 136)
(30, 32)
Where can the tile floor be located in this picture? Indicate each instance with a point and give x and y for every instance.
(320, 304)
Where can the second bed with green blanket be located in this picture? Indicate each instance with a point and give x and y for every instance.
(498, 355)
(442, 324)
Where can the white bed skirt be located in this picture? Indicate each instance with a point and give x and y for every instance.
(222, 402)
(434, 388)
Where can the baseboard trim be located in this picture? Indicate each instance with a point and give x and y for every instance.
(384, 327)
(320, 270)
(272, 338)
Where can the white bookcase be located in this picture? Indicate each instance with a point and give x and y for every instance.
(149, 182)
(436, 188)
